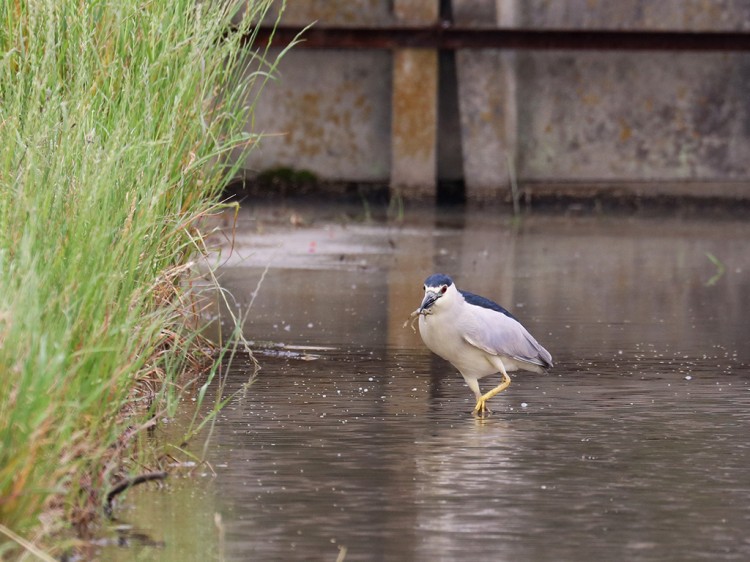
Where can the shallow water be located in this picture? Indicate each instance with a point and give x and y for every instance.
(355, 441)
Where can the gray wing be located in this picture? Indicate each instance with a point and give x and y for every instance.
(499, 334)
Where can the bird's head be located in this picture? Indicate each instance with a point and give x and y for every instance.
(438, 289)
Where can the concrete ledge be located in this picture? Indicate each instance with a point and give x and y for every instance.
(722, 190)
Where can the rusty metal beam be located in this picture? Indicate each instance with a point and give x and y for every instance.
(446, 37)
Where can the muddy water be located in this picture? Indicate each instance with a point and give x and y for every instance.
(355, 442)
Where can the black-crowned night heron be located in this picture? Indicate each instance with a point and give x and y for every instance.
(479, 337)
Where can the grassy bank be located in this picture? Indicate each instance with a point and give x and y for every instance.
(114, 117)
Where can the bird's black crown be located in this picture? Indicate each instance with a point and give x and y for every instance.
(438, 279)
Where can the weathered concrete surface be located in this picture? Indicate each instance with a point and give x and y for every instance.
(685, 15)
(335, 12)
(592, 118)
(414, 108)
(635, 116)
(487, 103)
(327, 112)
(487, 94)
(416, 12)
(485, 13)
(414, 123)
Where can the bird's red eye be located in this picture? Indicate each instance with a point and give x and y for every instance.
(443, 289)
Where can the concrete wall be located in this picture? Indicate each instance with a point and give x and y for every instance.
(359, 13)
(328, 112)
(664, 15)
(603, 117)
(634, 116)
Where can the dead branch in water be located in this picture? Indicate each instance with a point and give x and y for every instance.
(126, 483)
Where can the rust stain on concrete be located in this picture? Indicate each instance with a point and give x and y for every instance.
(350, 12)
(414, 120)
(416, 11)
(413, 102)
(590, 99)
(625, 131)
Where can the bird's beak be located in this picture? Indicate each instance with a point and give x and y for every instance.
(429, 299)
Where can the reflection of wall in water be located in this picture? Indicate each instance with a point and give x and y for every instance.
(604, 285)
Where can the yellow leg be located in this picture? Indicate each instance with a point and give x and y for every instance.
(481, 408)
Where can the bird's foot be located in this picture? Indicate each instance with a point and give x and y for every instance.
(481, 408)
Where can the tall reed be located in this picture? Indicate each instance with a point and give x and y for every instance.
(116, 121)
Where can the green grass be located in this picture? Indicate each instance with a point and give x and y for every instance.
(116, 119)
